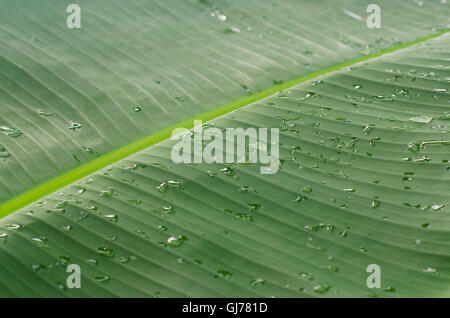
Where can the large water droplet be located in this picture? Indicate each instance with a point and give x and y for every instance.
(4, 153)
(223, 274)
(176, 241)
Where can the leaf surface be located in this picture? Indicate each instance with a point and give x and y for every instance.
(364, 179)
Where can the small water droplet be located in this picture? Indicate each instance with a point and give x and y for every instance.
(14, 226)
(389, 289)
(102, 279)
(92, 262)
(123, 259)
(223, 274)
(322, 288)
(108, 192)
(315, 83)
(437, 207)
(105, 251)
(74, 126)
(162, 228)
(41, 241)
(307, 276)
(307, 189)
(257, 281)
(112, 217)
(429, 270)
(45, 113)
(11, 132)
(331, 268)
(4, 153)
(422, 119)
(375, 204)
(164, 186)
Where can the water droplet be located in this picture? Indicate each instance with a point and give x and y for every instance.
(123, 259)
(41, 241)
(430, 270)
(223, 274)
(422, 119)
(176, 241)
(331, 268)
(64, 260)
(413, 147)
(257, 281)
(356, 86)
(307, 189)
(300, 198)
(254, 206)
(38, 267)
(322, 288)
(228, 171)
(81, 191)
(307, 276)
(137, 109)
(162, 228)
(375, 204)
(89, 151)
(45, 113)
(107, 193)
(91, 261)
(437, 207)
(308, 96)
(14, 226)
(389, 289)
(105, 251)
(232, 30)
(246, 189)
(74, 126)
(11, 132)
(315, 83)
(112, 217)
(163, 187)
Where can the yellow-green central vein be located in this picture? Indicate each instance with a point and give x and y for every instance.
(155, 138)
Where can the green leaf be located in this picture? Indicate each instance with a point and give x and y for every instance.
(138, 224)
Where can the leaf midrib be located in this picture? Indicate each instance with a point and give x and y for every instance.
(95, 165)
